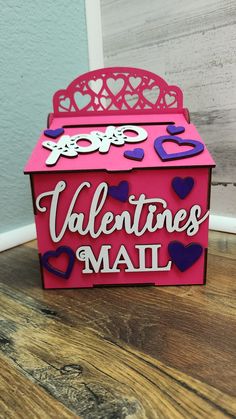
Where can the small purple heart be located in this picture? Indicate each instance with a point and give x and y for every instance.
(55, 254)
(197, 147)
(173, 130)
(184, 256)
(182, 186)
(119, 192)
(54, 133)
(135, 154)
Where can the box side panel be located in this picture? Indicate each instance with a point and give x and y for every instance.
(144, 226)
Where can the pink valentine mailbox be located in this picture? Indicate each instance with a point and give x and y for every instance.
(120, 184)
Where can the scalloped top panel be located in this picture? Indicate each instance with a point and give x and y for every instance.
(117, 90)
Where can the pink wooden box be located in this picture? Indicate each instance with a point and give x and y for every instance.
(120, 184)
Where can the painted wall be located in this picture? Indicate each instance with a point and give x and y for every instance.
(192, 44)
(43, 48)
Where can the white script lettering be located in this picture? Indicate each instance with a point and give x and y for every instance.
(158, 215)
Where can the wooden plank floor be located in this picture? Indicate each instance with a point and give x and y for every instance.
(128, 352)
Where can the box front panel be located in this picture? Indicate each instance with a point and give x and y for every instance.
(143, 226)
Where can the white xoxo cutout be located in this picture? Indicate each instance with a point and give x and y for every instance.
(67, 146)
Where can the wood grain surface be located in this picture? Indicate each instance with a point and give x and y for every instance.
(118, 352)
(193, 45)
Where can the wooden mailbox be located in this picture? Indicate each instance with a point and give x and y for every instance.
(120, 184)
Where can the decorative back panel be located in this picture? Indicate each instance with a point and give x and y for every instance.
(118, 90)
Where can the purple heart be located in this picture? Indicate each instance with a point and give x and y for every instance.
(182, 186)
(54, 133)
(135, 154)
(184, 256)
(119, 192)
(55, 254)
(197, 147)
(172, 129)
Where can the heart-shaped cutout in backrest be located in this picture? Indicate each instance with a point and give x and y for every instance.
(151, 94)
(135, 81)
(115, 85)
(65, 103)
(131, 100)
(170, 99)
(82, 100)
(105, 102)
(95, 85)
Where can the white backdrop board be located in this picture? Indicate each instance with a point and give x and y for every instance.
(193, 45)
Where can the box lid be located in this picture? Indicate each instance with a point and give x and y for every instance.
(118, 119)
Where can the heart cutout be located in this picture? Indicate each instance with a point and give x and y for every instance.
(119, 192)
(81, 100)
(196, 149)
(182, 186)
(184, 256)
(105, 102)
(135, 81)
(173, 130)
(131, 100)
(65, 103)
(115, 85)
(54, 254)
(135, 154)
(151, 94)
(95, 85)
(54, 133)
(170, 99)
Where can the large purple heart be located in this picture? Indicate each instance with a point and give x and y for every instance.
(184, 256)
(54, 133)
(197, 147)
(55, 254)
(119, 192)
(173, 129)
(182, 186)
(135, 154)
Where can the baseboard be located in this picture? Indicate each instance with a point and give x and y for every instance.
(27, 233)
(16, 237)
(94, 34)
(220, 223)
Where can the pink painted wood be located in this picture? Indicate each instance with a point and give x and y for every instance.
(105, 219)
(154, 124)
(118, 90)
